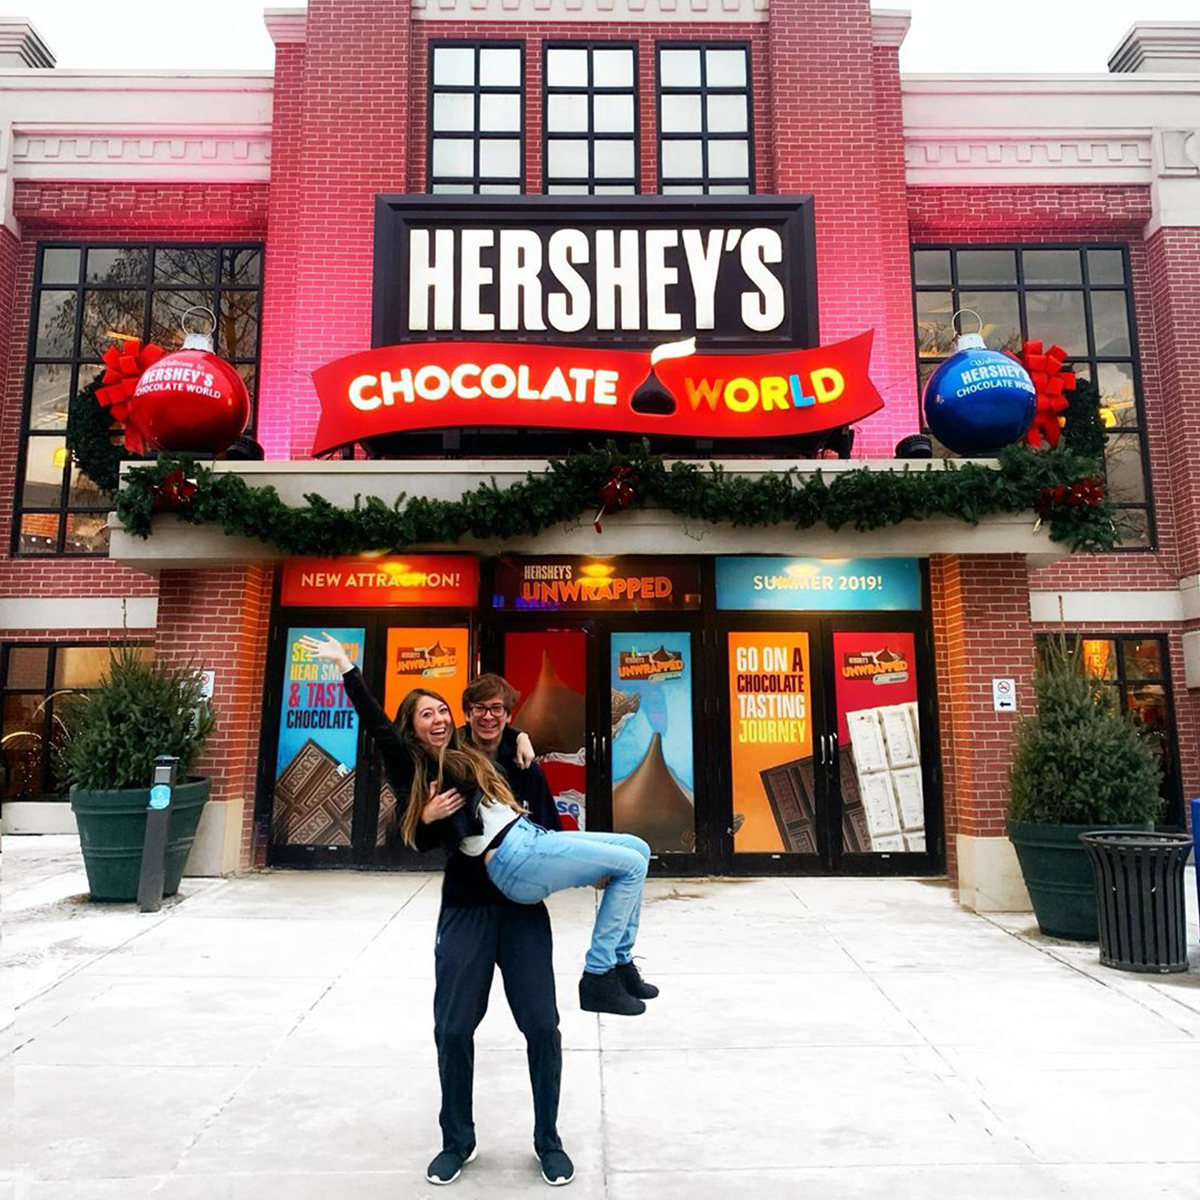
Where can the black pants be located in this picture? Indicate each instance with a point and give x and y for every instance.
(471, 942)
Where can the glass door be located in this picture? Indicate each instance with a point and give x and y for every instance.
(883, 754)
(769, 715)
(649, 742)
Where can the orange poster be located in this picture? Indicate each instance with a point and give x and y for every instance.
(437, 659)
(770, 716)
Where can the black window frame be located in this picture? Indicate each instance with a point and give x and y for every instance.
(45, 792)
(83, 368)
(705, 182)
(464, 184)
(591, 91)
(1091, 360)
(1172, 784)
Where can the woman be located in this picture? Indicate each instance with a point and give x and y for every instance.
(460, 795)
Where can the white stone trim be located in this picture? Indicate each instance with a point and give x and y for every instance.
(1191, 660)
(1158, 607)
(889, 26)
(22, 46)
(217, 849)
(989, 875)
(286, 24)
(78, 612)
(1158, 46)
(1189, 591)
(569, 11)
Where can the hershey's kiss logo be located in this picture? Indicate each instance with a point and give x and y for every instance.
(651, 397)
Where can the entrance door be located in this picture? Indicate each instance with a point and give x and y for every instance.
(831, 764)
(613, 706)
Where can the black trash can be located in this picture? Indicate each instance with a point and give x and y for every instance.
(1139, 899)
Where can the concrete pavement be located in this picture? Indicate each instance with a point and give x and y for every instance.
(866, 1039)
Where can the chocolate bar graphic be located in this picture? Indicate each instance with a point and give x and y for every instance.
(789, 789)
(313, 803)
(856, 838)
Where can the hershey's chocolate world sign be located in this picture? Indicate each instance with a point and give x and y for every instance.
(633, 272)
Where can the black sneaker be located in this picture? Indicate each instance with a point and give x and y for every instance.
(632, 981)
(447, 1167)
(604, 993)
(557, 1168)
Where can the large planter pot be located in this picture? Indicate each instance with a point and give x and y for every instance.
(1058, 876)
(112, 829)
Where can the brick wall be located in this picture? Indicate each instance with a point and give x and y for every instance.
(118, 213)
(218, 619)
(976, 216)
(981, 630)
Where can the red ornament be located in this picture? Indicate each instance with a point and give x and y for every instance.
(616, 492)
(1045, 368)
(175, 492)
(190, 400)
(123, 367)
(1088, 491)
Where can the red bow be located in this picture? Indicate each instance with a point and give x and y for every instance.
(175, 492)
(1088, 491)
(1051, 380)
(123, 368)
(616, 492)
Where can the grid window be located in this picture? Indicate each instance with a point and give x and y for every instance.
(1134, 667)
(34, 682)
(591, 119)
(82, 295)
(705, 145)
(476, 117)
(1076, 296)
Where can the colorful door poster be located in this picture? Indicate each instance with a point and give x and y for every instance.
(771, 743)
(879, 742)
(653, 765)
(436, 658)
(549, 671)
(817, 584)
(317, 753)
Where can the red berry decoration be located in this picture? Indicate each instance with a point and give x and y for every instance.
(175, 492)
(190, 400)
(1051, 380)
(617, 492)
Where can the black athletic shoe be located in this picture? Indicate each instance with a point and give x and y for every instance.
(557, 1168)
(604, 993)
(447, 1167)
(632, 981)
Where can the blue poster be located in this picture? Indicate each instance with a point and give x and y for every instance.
(653, 770)
(315, 706)
(778, 584)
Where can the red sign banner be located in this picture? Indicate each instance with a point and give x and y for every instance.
(444, 581)
(447, 385)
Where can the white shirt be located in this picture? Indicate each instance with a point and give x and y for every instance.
(496, 816)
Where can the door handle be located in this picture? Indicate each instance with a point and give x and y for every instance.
(821, 742)
(592, 747)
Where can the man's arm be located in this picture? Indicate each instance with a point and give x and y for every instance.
(542, 808)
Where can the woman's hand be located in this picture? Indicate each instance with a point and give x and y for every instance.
(525, 754)
(328, 650)
(441, 805)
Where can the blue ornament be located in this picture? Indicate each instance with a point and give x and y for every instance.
(979, 399)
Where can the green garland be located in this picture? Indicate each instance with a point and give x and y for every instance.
(90, 438)
(861, 499)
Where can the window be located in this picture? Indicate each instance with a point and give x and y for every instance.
(81, 295)
(1077, 297)
(476, 117)
(1134, 666)
(34, 681)
(591, 119)
(704, 135)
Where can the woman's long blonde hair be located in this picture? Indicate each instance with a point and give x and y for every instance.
(457, 759)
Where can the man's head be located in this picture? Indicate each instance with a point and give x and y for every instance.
(488, 704)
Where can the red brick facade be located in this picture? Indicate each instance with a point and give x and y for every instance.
(349, 121)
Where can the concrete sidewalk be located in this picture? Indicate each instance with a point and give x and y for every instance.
(816, 1037)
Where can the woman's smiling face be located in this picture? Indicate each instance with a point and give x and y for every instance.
(433, 722)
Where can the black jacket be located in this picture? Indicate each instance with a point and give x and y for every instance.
(465, 883)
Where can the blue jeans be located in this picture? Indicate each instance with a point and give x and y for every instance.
(532, 862)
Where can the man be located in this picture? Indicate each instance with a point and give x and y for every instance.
(480, 929)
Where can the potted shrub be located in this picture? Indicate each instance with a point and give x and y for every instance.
(112, 736)
(1079, 765)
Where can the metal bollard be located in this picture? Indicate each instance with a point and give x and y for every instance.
(158, 827)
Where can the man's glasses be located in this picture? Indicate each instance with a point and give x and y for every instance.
(488, 710)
